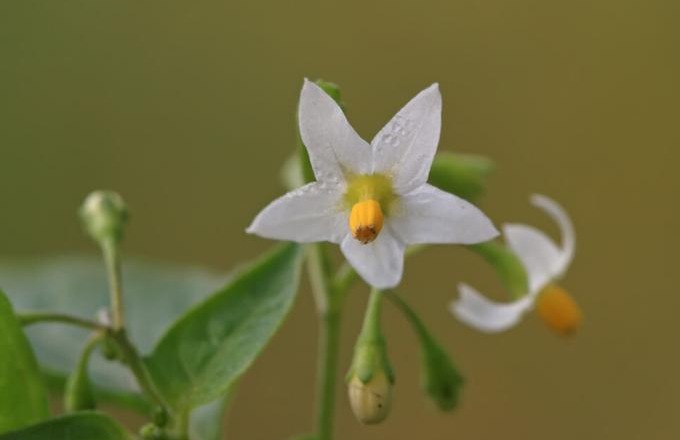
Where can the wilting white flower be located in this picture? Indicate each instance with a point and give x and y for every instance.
(372, 199)
(545, 262)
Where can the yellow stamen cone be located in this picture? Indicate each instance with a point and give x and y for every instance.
(366, 220)
(558, 310)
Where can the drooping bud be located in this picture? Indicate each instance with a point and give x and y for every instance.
(440, 378)
(370, 378)
(104, 215)
(558, 310)
(366, 220)
(371, 400)
(78, 392)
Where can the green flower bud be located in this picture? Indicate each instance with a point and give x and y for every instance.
(371, 379)
(104, 215)
(440, 379)
(460, 174)
(160, 416)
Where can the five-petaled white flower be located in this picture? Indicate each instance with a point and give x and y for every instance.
(373, 199)
(544, 262)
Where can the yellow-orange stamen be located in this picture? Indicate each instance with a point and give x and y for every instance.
(558, 310)
(366, 220)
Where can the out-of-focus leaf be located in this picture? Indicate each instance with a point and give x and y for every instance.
(460, 174)
(23, 399)
(209, 347)
(207, 421)
(79, 426)
(155, 296)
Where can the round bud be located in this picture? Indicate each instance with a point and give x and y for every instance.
(370, 401)
(104, 215)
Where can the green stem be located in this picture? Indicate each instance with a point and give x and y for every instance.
(329, 308)
(132, 359)
(112, 260)
(30, 318)
(412, 317)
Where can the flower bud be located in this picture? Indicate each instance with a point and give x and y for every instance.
(371, 400)
(104, 215)
(440, 379)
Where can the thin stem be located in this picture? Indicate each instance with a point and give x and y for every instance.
(30, 318)
(132, 359)
(327, 373)
(370, 330)
(329, 308)
(413, 318)
(112, 260)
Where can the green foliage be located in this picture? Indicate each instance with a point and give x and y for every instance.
(206, 350)
(23, 399)
(509, 268)
(460, 174)
(80, 426)
(207, 421)
(155, 296)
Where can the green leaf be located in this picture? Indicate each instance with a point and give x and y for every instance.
(460, 174)
(155, 296)
(201, 356)
(80, 426)
(23, 399)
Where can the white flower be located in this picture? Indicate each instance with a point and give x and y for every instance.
(544, 262)
(372, 199)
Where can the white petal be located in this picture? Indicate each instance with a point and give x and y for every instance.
(405, 147)
(430, 215)
(559, 215)
(307, 214)
(537, 252)
(380, 263)
(485, 315)
(334, 147)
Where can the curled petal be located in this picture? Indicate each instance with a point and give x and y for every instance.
(560, 216)
(335, 149)
(539, 254)
(308, 214)
(406, 146)
(380, 263)
(430, 215)
(485, 315)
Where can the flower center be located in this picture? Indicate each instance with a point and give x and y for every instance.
(366, 220)
(368, 198)
(558, 310)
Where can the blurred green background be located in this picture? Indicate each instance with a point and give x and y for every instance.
(187, 108)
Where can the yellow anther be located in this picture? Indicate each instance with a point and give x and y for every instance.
(366, 220)
(558, 310)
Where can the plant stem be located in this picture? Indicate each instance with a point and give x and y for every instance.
(329, 347)
(112, 260)
(30, 318)
(329, 308)
(132, 359)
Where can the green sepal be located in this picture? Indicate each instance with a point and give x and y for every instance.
(79, 392)
(370, 350)
(508, 266)
(461, 174)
